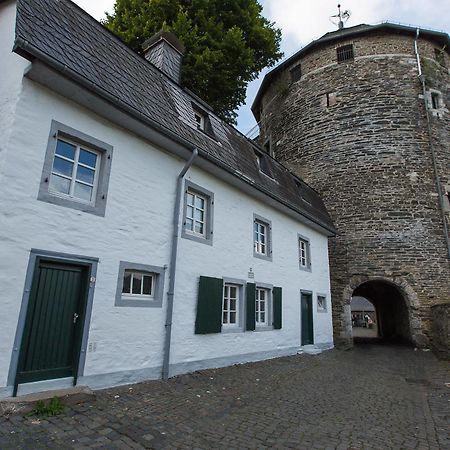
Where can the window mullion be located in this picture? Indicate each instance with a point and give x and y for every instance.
(74, 171)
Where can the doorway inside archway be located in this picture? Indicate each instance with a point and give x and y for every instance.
(386, 316)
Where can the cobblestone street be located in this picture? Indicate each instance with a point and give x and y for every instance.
(371, 397)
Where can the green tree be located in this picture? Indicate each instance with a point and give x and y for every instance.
(228, 42)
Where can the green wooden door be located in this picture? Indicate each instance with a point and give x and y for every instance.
(307, 319)
(53, 326)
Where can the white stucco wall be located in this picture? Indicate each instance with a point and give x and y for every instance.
(137, 227)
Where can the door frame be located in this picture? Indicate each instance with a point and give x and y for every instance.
(35, 254)
(306, 292)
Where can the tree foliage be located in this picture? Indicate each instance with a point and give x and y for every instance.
(228, 42)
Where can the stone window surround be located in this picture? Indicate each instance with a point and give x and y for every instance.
(208, 239)
(268, 223)
(240, 328)
(325, 310)
(308, 268)
(98, 208)
(159, 275)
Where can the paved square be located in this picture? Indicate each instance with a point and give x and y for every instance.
(370, 397)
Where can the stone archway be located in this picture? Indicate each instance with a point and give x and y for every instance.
(396, 305)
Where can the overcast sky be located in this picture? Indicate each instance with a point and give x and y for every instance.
(304, 20)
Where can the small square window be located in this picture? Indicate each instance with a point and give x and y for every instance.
(262, 239)
(321, 303)
(198, 214)
(304, 253)
(296, 73)
(139, 285)
(76, 170)
(345, 53)
(231, 306)
(262, 307)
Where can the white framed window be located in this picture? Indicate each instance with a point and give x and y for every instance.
(304, 253)
(262, 307)
(231, 305)
(196, 209)
(139, 285)
(197, 213)
(262, 238)
(199, 120)
(75, 171)
(321, 303)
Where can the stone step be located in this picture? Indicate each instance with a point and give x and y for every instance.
(311, 349)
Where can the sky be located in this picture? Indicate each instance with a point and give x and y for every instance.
(302, 21)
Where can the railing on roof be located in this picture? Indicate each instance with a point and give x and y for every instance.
(253, 133)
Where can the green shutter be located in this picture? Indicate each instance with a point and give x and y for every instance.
(251, 303)
(277, 308)
(209, 306)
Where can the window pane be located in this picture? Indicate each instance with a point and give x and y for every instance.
(189, 224)
(262, 317)
(126, 283)
(225, 304)
(232, 304)
(199, 227)
(65, 149)
(232, 292)
(147, 289)
(83, 192)
(62, 166)
(86, 175)
(190, 212)
(224, 317)
(262, 306)
(60, 184)
(190, 199)
(137, 282)
(88, 158)
(232, 317)
(200, 202)
(199, 215)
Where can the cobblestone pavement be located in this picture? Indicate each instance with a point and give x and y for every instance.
(370, 397)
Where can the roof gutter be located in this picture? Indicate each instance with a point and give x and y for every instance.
(173, 265)
(431, 146)
(26, 49)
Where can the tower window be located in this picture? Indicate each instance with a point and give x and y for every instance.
(345, 53)
(434, 100)
(296, 73)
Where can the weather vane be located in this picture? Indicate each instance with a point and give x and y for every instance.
(342, 17)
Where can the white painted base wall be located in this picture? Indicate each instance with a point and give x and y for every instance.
(137, 227)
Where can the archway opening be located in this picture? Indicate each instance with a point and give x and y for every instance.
(364, 318)
(388, 319)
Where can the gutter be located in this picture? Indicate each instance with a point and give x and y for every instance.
(431, 146)
(173, 265)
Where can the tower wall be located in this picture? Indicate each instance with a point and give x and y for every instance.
(357, 132)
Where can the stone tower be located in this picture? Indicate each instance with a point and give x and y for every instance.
(362, 114)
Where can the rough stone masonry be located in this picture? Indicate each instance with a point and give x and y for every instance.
(357, 131)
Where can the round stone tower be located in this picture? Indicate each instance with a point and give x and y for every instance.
(362, 115)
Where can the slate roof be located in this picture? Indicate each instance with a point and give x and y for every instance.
(439, 37)
(62, 35)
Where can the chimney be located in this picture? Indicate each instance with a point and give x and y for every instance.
(165, 51)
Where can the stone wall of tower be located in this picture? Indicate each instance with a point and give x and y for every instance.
(366, 149)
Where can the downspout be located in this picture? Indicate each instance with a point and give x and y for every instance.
(431, 146)
(173, 264)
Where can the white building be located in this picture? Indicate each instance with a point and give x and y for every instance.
(140, 236)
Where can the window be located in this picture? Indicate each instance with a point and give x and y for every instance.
(321, 303)
(262, 161)
(200, 120)
(197, 215)
(434, 100)
(304, 253)
(330, 99)
(139, 285)
(261, 307)
(262, 238)
(296, 73)
(345, 53)
(76, 170)
(439, 56)
(231, 305)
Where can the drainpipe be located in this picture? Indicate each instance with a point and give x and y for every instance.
(173, 264)
(431, 146)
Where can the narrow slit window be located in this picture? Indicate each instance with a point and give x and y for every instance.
(434, 100)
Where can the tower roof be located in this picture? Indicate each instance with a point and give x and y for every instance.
(440, 37)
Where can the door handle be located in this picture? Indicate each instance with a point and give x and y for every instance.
(75, 317)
